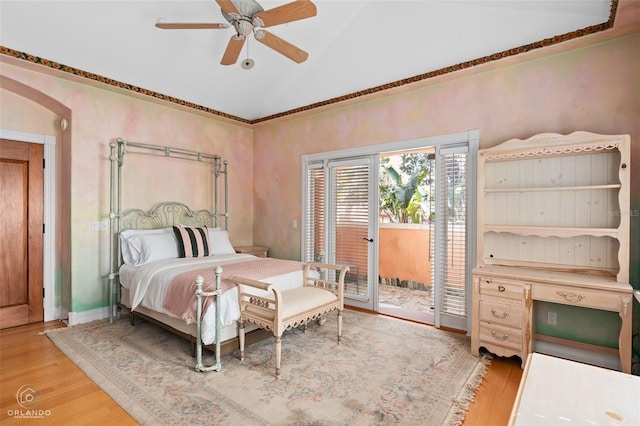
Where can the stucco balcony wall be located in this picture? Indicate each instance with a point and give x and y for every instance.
(404, 257)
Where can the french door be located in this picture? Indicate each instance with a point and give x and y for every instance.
(340, 222)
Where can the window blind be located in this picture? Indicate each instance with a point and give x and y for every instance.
(350, 207)
(451, 231)
(314, 221)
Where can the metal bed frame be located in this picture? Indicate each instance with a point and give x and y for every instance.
(164, 215)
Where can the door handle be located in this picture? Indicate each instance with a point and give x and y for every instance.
(368, 239)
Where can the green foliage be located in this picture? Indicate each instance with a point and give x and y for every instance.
(401, 198)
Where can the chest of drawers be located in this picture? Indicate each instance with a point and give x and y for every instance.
(501, 318)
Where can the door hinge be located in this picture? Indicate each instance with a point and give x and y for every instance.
(43, 163)
(43, 293)
(43, 228)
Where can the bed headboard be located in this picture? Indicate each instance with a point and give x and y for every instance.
(164, 215)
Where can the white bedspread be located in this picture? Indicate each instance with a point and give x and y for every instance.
(148, 285)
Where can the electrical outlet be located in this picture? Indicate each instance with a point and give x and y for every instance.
(552, 318)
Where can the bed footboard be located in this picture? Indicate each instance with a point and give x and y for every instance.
(217, 366)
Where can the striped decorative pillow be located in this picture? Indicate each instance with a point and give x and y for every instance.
(192, 242)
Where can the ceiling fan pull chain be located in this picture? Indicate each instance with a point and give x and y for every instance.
(248, 63)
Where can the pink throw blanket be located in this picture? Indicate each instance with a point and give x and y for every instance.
(180, 299)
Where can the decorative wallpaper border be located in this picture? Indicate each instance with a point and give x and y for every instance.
(431, 74)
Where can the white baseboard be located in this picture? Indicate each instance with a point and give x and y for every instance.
(577, 354)
(87, 316)
(52, 313)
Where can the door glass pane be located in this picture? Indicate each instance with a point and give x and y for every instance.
(350, 208)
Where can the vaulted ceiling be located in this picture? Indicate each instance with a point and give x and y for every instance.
(354, 46)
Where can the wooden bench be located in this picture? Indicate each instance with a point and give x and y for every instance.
(282, 310)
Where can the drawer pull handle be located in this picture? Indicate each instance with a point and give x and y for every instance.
(571, 297)
(501, 288)
(495, 314)
(502, 338)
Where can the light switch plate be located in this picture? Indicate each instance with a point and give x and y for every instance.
(98, 226)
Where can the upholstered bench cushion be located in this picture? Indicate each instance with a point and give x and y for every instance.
(303, 299)
(295, 302)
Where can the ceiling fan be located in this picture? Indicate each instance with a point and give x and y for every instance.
(247, 16)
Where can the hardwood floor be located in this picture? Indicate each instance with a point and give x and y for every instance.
(496, 395)
(68, 396)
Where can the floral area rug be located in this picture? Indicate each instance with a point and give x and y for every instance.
(385, 371)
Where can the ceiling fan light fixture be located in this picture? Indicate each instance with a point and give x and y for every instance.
(247, 64)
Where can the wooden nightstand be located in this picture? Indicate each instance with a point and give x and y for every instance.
(254, 250)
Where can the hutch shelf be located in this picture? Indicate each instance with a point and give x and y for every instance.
(553, 225)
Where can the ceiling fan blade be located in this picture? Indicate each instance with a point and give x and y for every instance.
(282, 46)
(190, 26)
(294, 11)
(228, 7)
(234, 47)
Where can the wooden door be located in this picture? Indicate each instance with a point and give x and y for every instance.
(21, 229)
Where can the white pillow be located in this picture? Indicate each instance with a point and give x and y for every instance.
(220, 244)
(131, 248)
(154, 247)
